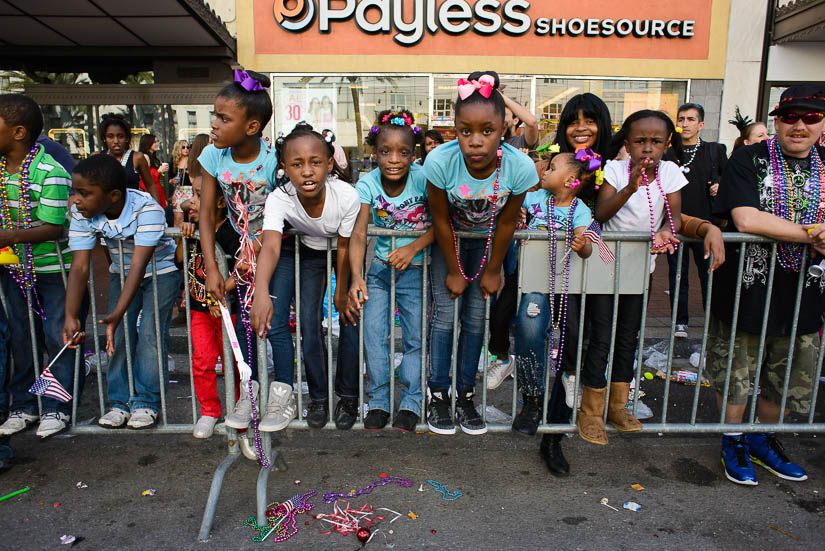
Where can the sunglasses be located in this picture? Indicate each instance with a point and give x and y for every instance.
(184, 147)
(807, 118)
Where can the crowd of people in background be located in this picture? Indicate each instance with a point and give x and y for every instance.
(655, 175)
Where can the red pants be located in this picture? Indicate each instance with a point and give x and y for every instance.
(207, 346)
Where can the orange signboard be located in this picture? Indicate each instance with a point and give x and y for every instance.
(423, 31)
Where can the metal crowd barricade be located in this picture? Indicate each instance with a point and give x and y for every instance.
(238, 444)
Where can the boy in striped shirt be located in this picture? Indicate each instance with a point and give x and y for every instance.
(105, 207)
(26, 167)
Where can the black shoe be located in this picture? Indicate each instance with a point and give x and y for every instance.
(466, 414)
(550, 451)
(346, 412)
(317, 414)
(405, 421)
(376, 419)
(528, 419)
(439, 416)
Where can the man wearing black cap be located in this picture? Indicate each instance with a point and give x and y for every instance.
(702, 162)
(774, 189)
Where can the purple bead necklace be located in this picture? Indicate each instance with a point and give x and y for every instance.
(558, 321)
(646, 185)
(259, 448)
(22, 273)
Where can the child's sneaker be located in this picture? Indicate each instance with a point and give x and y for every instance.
(317, 414)
(498, 371)
(738, 466)
(568, 381)
(467, 416)
(280, 409)
(439, 417)
(241, 416)
(405, 420)
(17, 421)
(765, 450)
(143, 418)
(204, 427)
(115, 419)
(51, 423)
(376, 419)
(529, 418)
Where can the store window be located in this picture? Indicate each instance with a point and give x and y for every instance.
(347, 105)
(622, 98)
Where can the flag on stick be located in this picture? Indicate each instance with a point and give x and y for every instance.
(594, 234)
(47, 385)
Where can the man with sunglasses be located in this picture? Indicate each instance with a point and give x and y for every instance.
(774, 189)
(702, 163)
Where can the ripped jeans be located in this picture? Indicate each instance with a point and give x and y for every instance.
(532, 329)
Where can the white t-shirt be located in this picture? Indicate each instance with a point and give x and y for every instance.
(634, 216)
(341, 206)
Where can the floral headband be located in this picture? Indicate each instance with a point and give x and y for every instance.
(397, 119)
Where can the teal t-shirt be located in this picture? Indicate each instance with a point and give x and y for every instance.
(407, 212)
(536, 204)
(471, 200)
(252, 182)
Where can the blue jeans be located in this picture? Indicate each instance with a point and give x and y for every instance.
(378, 314)
(471, 314)
(49, 334)
(313, 286)
(142, 345)
(282, 287)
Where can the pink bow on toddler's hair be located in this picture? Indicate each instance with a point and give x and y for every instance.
(485, 85)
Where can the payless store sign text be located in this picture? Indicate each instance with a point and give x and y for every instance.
(409, 20)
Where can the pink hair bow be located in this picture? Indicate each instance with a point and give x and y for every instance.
(484, 85)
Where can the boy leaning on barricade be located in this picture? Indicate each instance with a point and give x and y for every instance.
(105, 207)
(775, 189)
(34, 191)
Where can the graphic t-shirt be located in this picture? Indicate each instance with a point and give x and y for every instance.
(536, 203)
(252, 182)
(49, 199)
(748, 182)
(471, 200)
(407, 212)
(341, 206)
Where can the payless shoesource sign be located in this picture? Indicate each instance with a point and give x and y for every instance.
(586, 37)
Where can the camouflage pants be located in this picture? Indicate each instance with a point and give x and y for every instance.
(774, 362)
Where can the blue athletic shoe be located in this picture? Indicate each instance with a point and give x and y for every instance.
(738, 467)
(765, 450)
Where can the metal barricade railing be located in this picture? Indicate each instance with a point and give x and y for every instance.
(237, 443)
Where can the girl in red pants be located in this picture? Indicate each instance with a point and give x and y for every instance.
(206, 326)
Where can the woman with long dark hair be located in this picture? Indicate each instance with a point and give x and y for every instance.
(148, 145)
(116, 136)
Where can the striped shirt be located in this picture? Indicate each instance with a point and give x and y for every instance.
(49, 187)
(141, 222)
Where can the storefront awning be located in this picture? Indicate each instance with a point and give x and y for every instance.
(800, 21)
(109, 36)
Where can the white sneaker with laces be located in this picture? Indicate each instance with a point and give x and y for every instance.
(142, 418)
(241, 416)
(17, 421)
(498, 371)
(204, 427)
(115, 419)
(52, 423)
(280, 409)
(569, 383)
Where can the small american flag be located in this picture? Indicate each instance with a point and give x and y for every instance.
(594, 234)
(47, 385)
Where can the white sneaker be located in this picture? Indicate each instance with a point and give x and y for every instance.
(204, 427)
(52, 423)
(17, 421)
(241, 416)
(280, 409)
(569, 383)
(498, 371)
(143, 418)
(115, 419)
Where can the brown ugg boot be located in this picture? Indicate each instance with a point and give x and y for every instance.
(591, 425)
(617, 414)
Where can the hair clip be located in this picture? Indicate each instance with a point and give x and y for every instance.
(279, 141)
(485, 86)
(678, 129)
(416, 130)
(374, 129)
(575, 184)
(599, 179)
(398, 121)
(587, 155)
(385, 118)
(247, 82)
(280, 174)
(328, 138)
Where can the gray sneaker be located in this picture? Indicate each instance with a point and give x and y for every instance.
(17, 421)
(280, 409)
(241, 416)
(52, 423)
